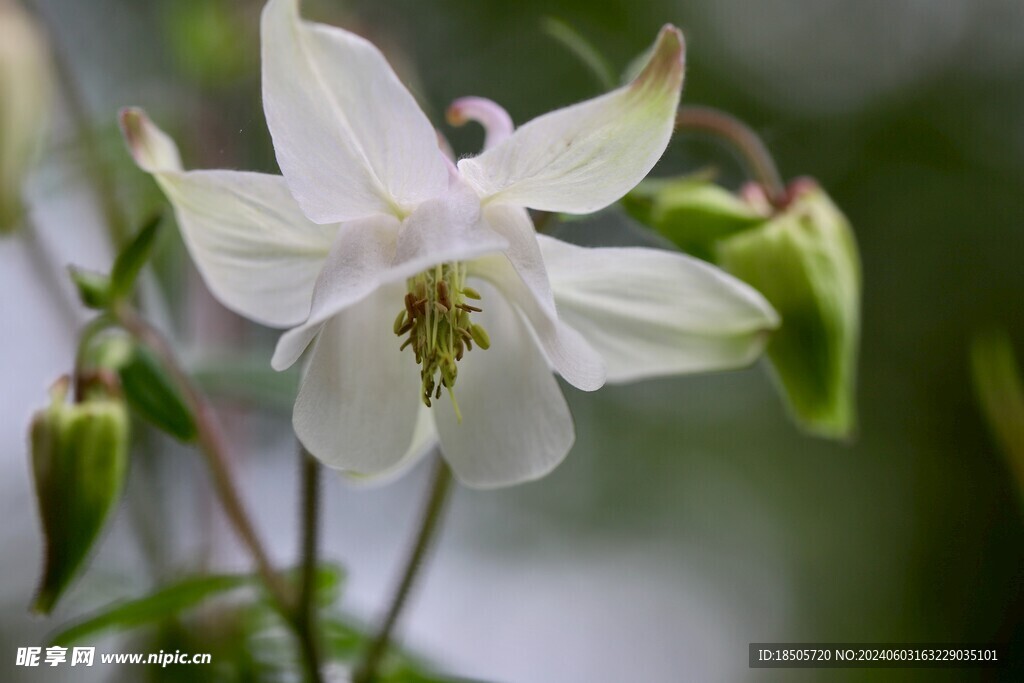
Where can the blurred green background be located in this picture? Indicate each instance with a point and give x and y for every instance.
(692, 517)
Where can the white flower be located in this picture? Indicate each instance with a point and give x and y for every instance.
(369, 210)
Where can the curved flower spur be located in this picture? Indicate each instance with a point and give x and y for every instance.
(373, 232)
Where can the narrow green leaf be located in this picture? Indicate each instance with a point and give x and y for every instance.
(131, 259)
(162, 604)
(582, 49)
(151, 393)
(997, 384)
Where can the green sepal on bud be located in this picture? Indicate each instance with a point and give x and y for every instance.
(79, 457)
(805, 262)
(93, 287)
(692, 212)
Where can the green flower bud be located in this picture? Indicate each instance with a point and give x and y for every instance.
(79, 453)
(805, 262)
(25, 90)
(692, 212)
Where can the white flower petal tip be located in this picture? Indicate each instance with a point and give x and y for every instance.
(664, 69)
(256, 251)
(496, 122)
(349, 137)
(585, 157)
(153, 150)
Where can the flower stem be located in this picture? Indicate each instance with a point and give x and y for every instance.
(743, 139)
(366, 672)
(213, 446)
(99, 172)
(44, 263)
(305, 611)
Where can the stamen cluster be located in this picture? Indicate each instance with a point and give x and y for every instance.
(437, 319)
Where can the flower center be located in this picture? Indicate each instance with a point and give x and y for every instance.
(437, 319)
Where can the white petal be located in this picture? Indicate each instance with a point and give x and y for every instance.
(651, 312)
(358, 404)
(515, 425)
(375, 251)
(258, 254)
(584, 157)
(153, 150)
(424, 438)
(349, 138)
(523, 280)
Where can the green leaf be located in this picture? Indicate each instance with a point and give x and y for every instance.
(692, 212)
(131, 259)
(345, 640)
(93, 287)
(997, 385)
(805, 262)
(329, 582)
(164, 603)
(582, 49)
(153, 395)
(79, 459)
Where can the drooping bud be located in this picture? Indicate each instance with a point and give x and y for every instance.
(26, 83)
(693, 212)
(805, 262)
(79, 455)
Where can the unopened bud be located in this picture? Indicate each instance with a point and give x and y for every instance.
(25, 90)
(805, 262)
(692, 212)
(79, 456)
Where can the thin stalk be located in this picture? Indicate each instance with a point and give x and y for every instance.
(430, 521)
(305, 611)
(213, 446)
(45, 264)
(98, 172)
(744, 140)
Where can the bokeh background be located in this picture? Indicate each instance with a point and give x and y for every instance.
(692, 517)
